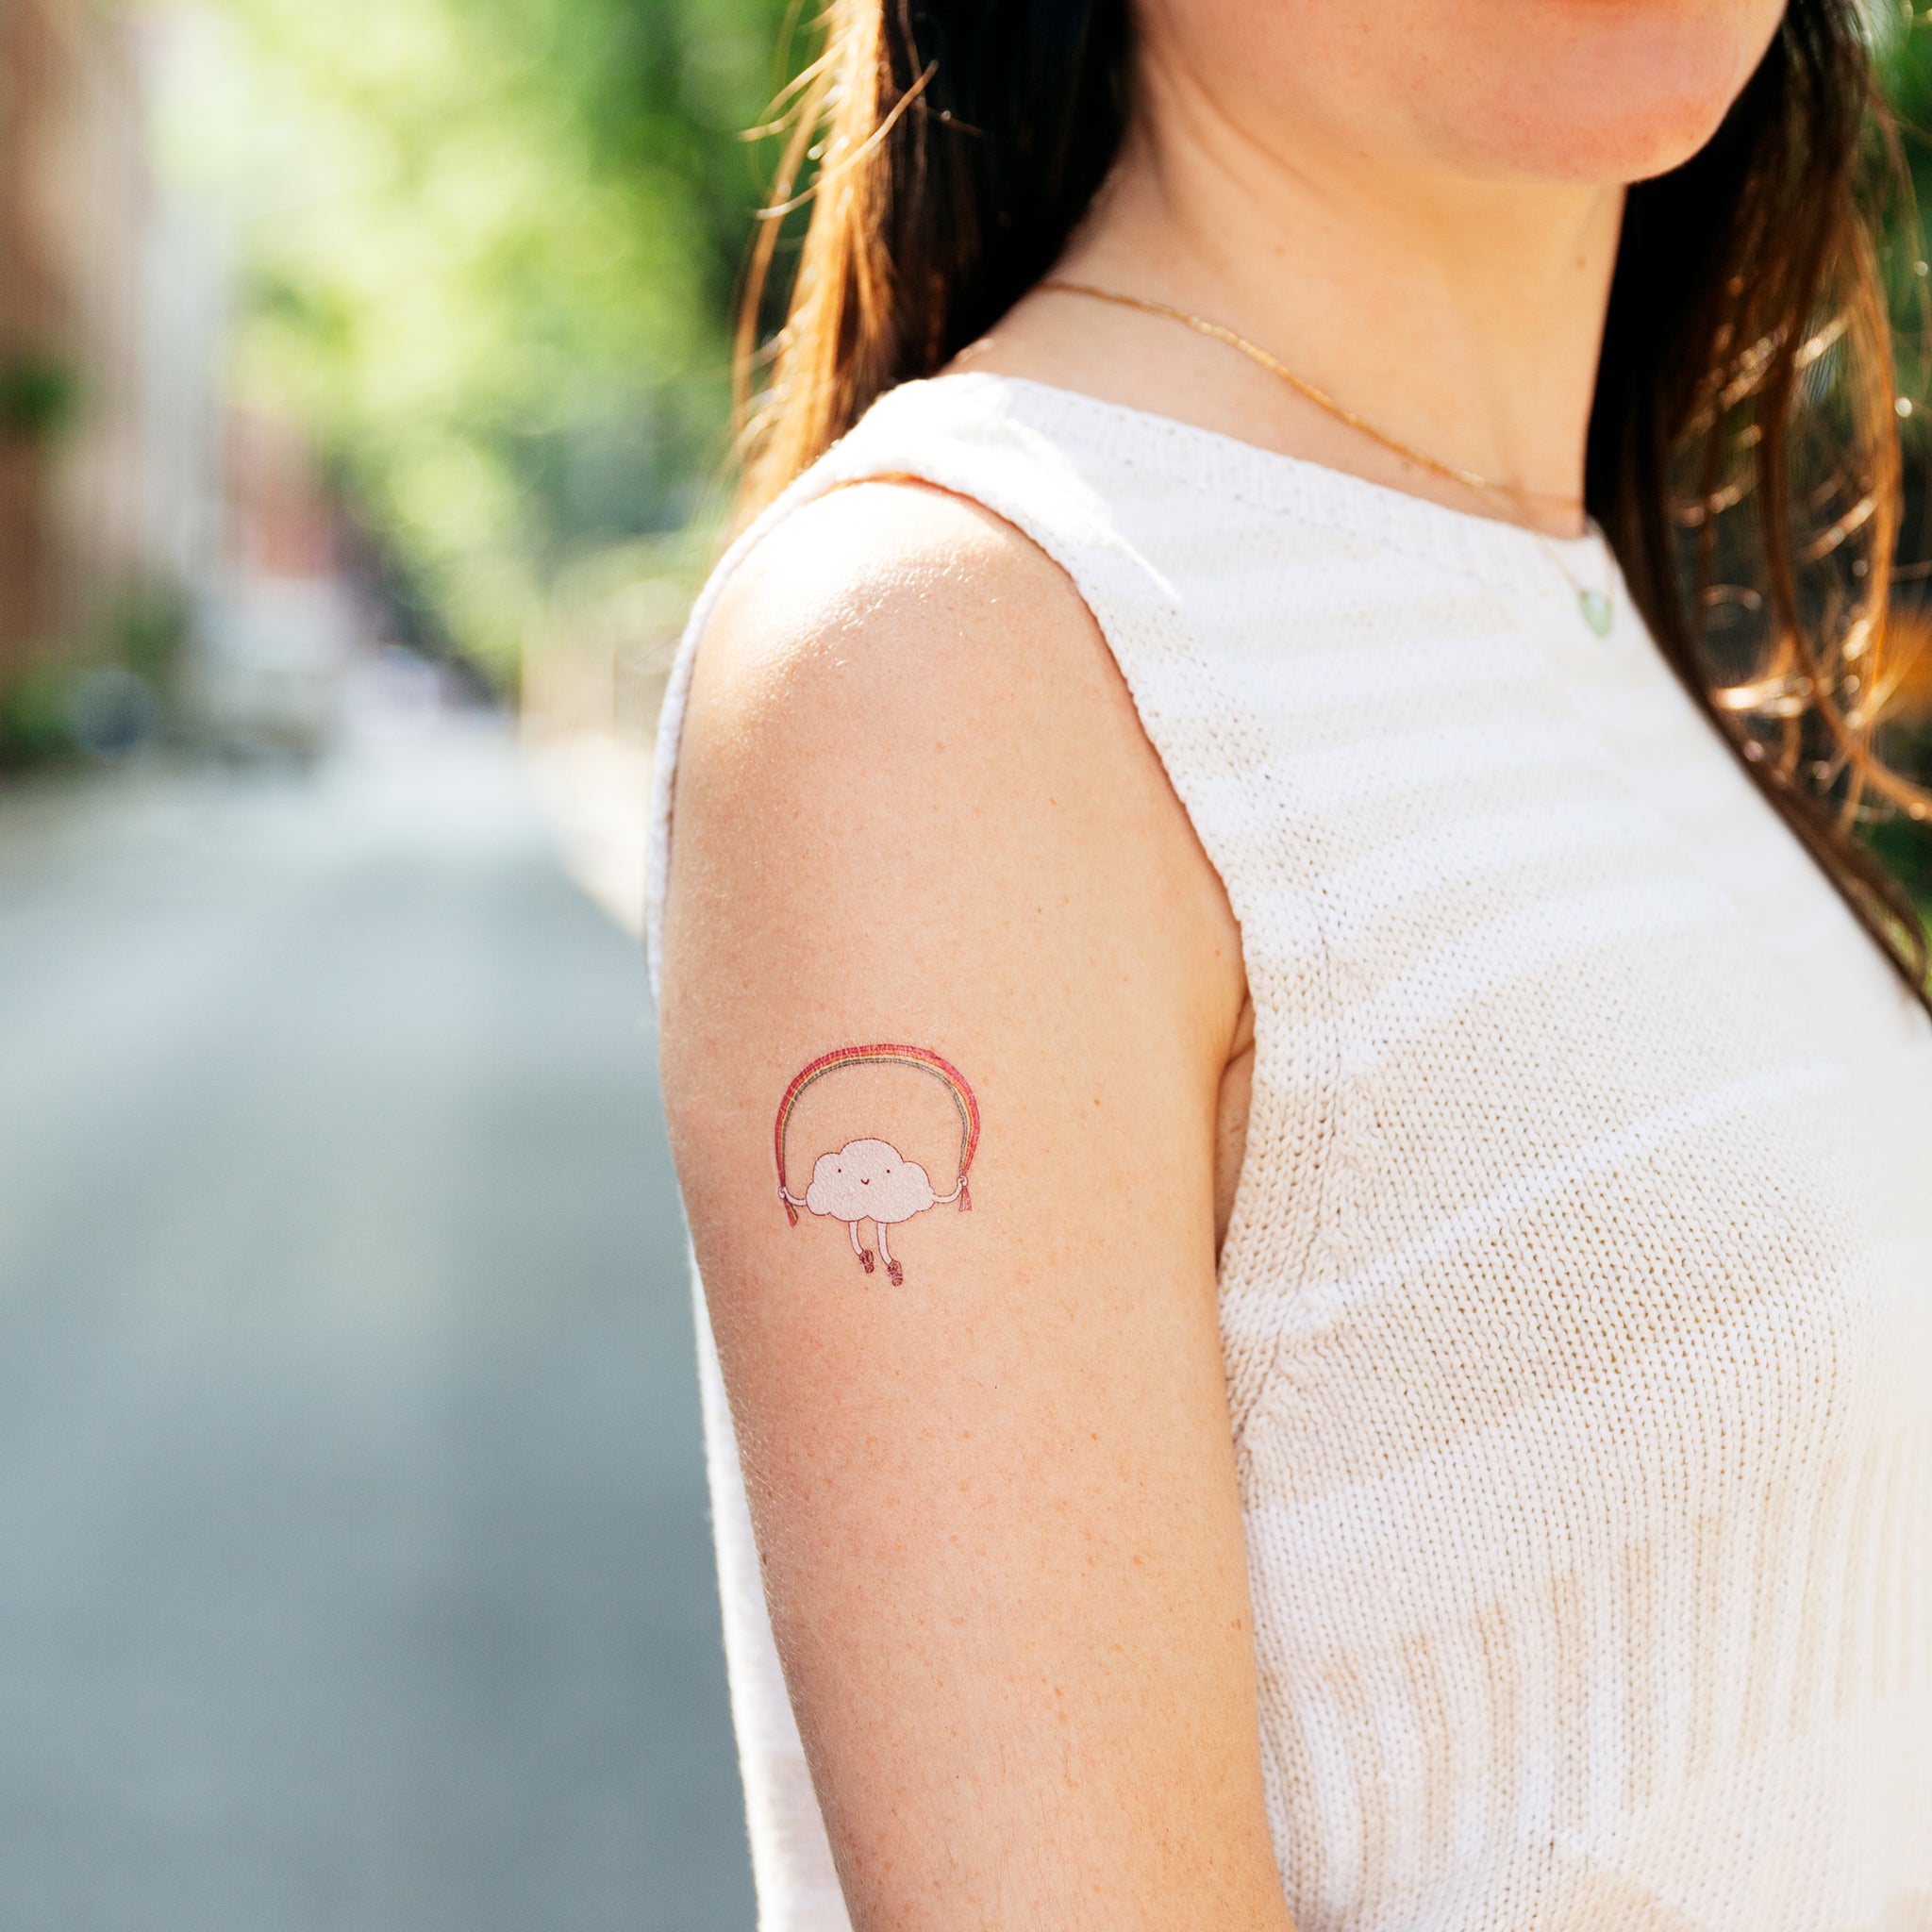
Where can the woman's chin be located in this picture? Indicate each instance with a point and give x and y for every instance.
(1578, 92)
(1588, 150)
(1624, 93)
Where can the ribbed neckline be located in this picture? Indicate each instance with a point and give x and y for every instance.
(1486, 548)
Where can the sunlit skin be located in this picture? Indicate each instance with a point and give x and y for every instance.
(1415, 207)
(998, 1512)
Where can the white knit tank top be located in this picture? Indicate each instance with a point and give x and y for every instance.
(1578, 1301)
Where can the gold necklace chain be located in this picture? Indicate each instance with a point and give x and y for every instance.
(1594, 603)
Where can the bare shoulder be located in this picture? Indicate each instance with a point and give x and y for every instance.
(887, 603)
(904, 718)
(902, 694)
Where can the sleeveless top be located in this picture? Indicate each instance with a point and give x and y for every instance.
(1577, 1306)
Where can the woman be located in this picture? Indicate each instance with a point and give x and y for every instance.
(1255, 781)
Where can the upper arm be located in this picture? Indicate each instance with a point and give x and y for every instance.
(996, 1505)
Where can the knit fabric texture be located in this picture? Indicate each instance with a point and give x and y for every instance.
(1577, 1306)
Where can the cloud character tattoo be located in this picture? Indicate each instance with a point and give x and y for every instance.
(869, 1179)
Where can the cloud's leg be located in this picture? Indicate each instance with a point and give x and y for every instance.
(858, 1247)
(893, 1272)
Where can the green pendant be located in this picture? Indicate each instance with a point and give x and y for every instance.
(1596, 611)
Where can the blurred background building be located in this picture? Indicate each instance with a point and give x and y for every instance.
(111, 324)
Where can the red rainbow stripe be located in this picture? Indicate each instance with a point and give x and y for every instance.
(884, 1055)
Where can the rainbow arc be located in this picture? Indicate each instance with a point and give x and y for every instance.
(921, 1058)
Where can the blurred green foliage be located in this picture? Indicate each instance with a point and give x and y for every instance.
(489, 250)
(34, 717)
(109, 696)
(39, 395)
(1904, 51)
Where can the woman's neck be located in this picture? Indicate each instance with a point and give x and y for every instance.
(1461, 318)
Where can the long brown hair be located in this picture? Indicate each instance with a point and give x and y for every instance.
(1743, 452)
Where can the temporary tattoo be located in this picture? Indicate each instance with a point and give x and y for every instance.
(869, 1179)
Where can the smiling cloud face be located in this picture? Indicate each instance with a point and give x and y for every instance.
(868, 1180)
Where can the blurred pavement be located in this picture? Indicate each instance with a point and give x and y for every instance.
(355, 1573)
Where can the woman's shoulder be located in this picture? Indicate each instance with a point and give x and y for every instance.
(915, 637)
(897, 688)
(893, 593)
